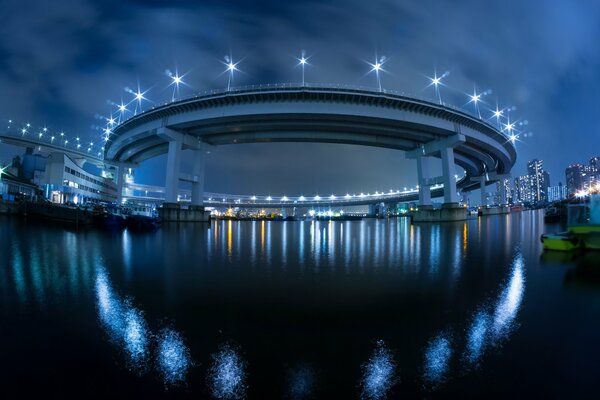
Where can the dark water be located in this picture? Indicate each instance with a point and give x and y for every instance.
(372, 309)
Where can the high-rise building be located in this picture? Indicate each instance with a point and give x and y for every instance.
(557, 193)
(540, 181)
(524, 189)
(594, 171)
(595, 164)
(582, 178)
(503, 193)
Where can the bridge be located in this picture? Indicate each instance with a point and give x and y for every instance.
(150, 193)
(322, 114)
(49, 146)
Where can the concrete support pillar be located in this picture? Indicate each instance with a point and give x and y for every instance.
(120, 181)
(372, 210)
(423, 175)
(483, 194)
(450, 195)
(198, 173)
(173, 169)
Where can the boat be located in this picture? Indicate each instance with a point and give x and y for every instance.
(584, 221)
(141, 218)
(109, 218)
(142, 223)
(58, 213)
(583, 227)
(562, 241)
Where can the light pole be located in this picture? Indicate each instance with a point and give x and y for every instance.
(231, 66)
(436, 81)
(302, 62)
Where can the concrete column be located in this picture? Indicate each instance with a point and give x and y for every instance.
(198, 173)
(450, 195)
(482, 189)
(120, 181)
(173, 169)
(372, 210)
(423, 174)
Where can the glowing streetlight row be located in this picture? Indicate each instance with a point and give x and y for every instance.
(43, 137)
(332, 197)
(376, 67)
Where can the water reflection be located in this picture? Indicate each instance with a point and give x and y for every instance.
(488, 327)
(173, 357)
(301, 382)
(227, 374)
(476, 337)
(437, 358)
(510, 300)
(124, 324)
(378, 374)
(128, 330)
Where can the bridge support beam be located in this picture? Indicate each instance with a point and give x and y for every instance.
(450, 194)
(173, 166)
(444, 149)
(483, 192)
(120, 181)
(198, 174)
(491, 177)
(423, 176)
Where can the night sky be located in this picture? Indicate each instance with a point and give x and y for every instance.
(62, 63)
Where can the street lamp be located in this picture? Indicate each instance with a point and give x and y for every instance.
(436, 81)
(231, 67)
(302, 62)
(176, 80)
(378, 66)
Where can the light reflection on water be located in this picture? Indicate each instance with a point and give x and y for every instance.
(301, 382)
(227, 374)
(437, 359)
(379, 374)
(124, 324)
(509, 301)
(128, 330)
(476, 337)
(425, 254)
(173, 357)
(486, 328)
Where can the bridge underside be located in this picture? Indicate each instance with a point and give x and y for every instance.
(322, 116)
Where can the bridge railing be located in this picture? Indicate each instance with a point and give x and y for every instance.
(316, 86)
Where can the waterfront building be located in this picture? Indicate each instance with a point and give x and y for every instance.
(575, 177)
(523, 189)
(13, 188)
(65, 180)
(557, 193)
(540, 181)
(503, 191)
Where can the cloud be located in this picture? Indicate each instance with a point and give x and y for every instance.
(62, 63)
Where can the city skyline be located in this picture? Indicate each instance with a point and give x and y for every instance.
(77, 86)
